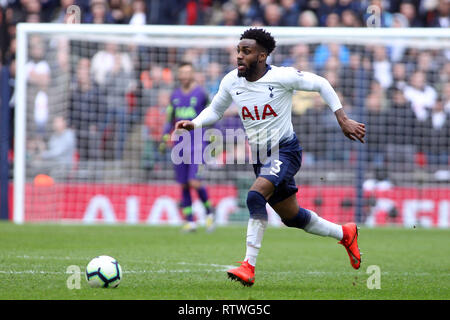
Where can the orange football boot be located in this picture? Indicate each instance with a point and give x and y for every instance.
(350, 242)
(245, 273)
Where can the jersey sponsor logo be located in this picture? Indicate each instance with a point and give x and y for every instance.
(185, 112)
(267, 111)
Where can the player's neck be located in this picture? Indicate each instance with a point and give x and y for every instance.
(260, 71)
(188, 88)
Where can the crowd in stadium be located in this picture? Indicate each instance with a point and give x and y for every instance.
(407, 98)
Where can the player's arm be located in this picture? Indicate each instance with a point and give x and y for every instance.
(170, 117)
(307, 81)
(211, 114)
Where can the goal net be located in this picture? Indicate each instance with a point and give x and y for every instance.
(91, 104)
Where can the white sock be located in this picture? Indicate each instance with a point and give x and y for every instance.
(322, 227)
(255, 232)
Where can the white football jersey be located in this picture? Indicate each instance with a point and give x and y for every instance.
(265, 105)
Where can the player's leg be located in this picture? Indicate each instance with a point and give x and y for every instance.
(257, 197)
(257, 223)
(181, 174)
(203, 195)
(195, 183)
(292, 215)
(186, 208)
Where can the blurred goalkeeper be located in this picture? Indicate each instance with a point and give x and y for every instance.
(264, 95)
(186, 102)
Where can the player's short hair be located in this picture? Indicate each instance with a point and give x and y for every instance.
(185, 63)
(262, 37)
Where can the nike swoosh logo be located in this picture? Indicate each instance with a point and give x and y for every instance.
(355, 260)
(238, 93)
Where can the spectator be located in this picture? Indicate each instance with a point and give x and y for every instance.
(403, 133)
(324, 51)
(376, 125)
(155, 118)
(272, 15)
(349, 5)
(326, 7)
(382, 67)
(421, 95)
(398, 78)
(298, 57)
(436, 135)
(166, 11)
(104, 61)
(399, 21)
(355, 78)
(62, 144)
(444, 76)
(350, 19)
(333, 20)
(138, 16)
(248, 11)
(337, 147)
(85, 112)
(59, 14)
(38, 69)
(230, 15)
(33, 11)
(213, 77)
(99, 13)
(152, 80)
(397, 48)
(408, 9)
(427, 65)
(290, 12)
(119, 10)
(38, 77)
(442, 15)
(119, 82)
(57, 158)
(308, 19)
(309, 129)
(377, 89)
(446, 96)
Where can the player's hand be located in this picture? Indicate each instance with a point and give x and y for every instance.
(162, 147)
(163, 144)
(184, 124)
(353, 130)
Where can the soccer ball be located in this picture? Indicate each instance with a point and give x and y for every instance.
(103, 271)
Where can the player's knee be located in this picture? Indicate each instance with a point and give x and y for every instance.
(195, 184)
(256, 204)
(300, 221)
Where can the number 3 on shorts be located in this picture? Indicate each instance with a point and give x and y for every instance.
(276, 167)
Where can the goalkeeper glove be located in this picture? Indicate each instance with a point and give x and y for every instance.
(163, 145)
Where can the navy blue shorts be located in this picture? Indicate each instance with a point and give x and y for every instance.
(280, 169)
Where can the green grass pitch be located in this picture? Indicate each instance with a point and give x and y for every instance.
(162, 263)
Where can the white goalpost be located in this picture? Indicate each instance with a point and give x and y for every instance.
(90, 103)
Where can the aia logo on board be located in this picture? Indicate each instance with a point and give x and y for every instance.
(267, 111)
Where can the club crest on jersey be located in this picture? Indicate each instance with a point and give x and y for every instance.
(267, 111)
(271, 91)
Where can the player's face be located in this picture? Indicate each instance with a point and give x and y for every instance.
(185, 75)
(249, 54)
